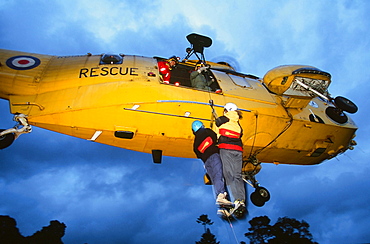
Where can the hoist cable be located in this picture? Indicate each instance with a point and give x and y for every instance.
(232, 230)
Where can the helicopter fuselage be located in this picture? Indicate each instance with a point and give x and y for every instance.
(126, 104)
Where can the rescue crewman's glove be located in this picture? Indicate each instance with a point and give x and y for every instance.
(201, 69)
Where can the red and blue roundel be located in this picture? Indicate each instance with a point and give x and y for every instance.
(23, 62)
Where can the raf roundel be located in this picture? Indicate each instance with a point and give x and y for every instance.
(23, 62)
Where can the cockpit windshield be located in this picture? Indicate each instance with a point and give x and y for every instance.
(111, 59)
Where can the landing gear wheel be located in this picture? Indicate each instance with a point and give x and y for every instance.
(6, 140)
(264, 193)
(260, 196)
(336, 114)
(345, 104)
(257, 199)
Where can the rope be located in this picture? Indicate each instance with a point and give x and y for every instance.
(254, 139)
(214, 115)
(232, 230)
(282, 132)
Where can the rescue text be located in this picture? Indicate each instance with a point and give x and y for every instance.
(97, 71)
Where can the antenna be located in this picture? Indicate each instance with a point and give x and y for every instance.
(198, 43)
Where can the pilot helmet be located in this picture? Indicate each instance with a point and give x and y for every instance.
(199, 64)
(230, 107)
(196, 125)
(174, 58)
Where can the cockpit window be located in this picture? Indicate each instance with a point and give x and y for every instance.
(240, 81)
(111, 59)
(180, 76)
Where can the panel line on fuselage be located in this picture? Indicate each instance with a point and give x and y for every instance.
(173, 115)
(202, 103)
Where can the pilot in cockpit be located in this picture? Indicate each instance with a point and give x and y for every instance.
(197, 78)
(201, 79)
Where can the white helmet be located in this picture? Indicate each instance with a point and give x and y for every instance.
(230, 107)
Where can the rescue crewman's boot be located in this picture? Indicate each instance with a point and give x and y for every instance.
(239, 210)
(221, 199)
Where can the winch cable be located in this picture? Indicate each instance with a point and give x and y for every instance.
(232, 230)
(252, 158)
(282, 132)
(255, 135)
(214, 114)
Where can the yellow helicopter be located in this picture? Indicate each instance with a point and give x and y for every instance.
(123, 100)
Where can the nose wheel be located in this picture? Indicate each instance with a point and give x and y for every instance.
(341, 104)
(260, 195)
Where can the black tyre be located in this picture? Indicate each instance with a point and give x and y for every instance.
(264, 193)
(257, 200)
(6, 140)
(336, 114)
(345, 104)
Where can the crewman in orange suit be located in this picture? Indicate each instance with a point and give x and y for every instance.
(165, 68)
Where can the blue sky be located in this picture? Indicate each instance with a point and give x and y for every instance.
(111, 195)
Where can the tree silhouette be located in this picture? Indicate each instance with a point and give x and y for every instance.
(9, 233)
(284, 231)
(208, 238)
(50, 234)
(260, 230)
(203, 219)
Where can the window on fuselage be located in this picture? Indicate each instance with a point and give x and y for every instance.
(240, 81)
(181, 75)
(111, 59)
